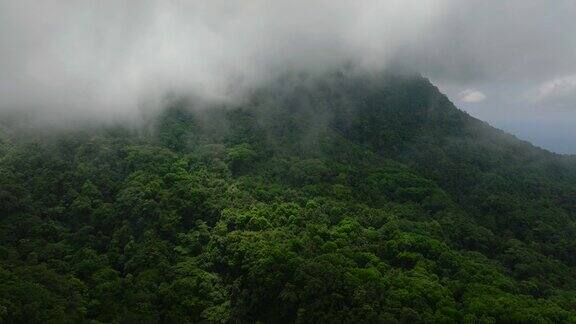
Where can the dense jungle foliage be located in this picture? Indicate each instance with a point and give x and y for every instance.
(341, 199)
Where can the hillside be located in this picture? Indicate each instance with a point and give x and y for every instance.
(341, 198)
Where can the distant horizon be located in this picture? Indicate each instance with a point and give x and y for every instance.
(555, 136)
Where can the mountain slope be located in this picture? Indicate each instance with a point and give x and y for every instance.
(346, 198)
(491, 174)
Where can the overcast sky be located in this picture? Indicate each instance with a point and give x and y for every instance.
(509, 62)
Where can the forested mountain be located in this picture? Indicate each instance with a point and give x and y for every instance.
(343, 198)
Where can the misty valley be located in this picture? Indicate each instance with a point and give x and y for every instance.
(341, 198)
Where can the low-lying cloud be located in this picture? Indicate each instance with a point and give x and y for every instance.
(471, 96)
(109, 59)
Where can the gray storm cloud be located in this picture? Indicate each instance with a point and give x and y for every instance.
(108, 59)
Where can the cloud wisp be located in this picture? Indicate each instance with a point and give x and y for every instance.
(471, 96)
